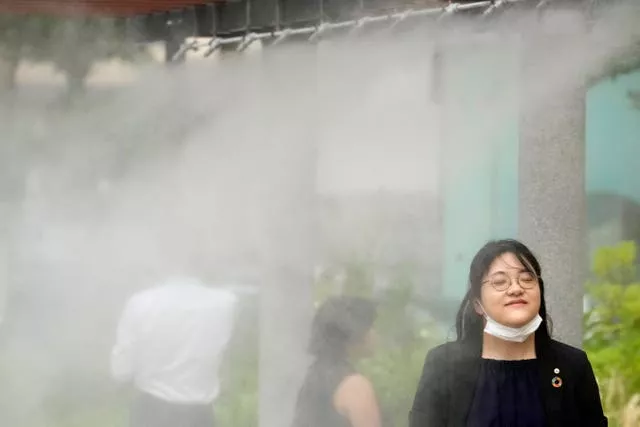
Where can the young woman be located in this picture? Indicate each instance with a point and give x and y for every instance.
(334, 394)
(504, 370)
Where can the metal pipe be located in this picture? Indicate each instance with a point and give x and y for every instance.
(495, 6)
(317, 31)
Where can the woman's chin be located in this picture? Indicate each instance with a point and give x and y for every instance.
(517, 321)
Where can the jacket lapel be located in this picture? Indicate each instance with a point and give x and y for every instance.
(551, 396)
(464, 385)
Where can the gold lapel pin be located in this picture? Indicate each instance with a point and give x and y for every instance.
(556, 382)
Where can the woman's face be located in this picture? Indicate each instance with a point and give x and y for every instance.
(510, 295)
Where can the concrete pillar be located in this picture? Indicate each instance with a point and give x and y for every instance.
(4, 274)
(288, 120)
(552, 200)
(11, 188)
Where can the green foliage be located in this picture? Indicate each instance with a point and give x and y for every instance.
(397, 364)
(238, 402)
(616, 264)
(10, 33)
(612, 325)
(73, 45)
(10, 51)
(48, 37)
(237, 405)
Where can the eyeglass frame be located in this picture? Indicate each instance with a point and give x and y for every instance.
(535, 281)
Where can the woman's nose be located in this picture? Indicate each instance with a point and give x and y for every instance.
(515, 289)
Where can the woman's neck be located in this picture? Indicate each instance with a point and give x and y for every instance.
(496, 348)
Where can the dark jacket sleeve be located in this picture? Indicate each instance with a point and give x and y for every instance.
(430, 402)
(588, 397)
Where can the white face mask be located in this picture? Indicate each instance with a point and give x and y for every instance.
(508, 333)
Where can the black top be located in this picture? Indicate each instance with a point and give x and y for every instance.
(314, 407)
(507, 395)
(447, 386)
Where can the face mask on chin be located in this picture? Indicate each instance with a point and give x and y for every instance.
(507, 333)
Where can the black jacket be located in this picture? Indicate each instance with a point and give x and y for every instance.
(448, 381)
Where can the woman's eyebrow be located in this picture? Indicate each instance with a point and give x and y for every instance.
(497, 272)
(518, 269)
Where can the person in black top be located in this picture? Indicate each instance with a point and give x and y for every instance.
(333, 393)
(504, 370)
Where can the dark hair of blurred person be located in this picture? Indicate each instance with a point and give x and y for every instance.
(334, 393)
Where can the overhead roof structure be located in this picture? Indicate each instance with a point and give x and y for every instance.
(225, 14)
(116, 8)
(239, 18)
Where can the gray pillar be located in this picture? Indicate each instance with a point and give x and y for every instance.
(552, 201)
(287, 294)
(5, 255)
(12, 165)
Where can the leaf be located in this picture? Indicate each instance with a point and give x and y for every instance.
(612, 326)
(616, 264)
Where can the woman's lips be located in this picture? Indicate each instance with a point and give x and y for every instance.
(518, 303)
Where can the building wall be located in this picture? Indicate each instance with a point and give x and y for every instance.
(480, 173)
(613, 161)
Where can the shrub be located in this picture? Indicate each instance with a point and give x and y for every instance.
(612, 329)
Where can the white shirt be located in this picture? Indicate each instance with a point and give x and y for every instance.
(171, 339)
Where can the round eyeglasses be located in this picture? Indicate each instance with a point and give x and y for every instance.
(502, 281)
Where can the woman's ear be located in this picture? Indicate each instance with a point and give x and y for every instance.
(478, 308)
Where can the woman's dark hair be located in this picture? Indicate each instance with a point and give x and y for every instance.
(470, 325)
(340, 322)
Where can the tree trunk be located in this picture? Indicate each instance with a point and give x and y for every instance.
(8, 71)
(76, 71)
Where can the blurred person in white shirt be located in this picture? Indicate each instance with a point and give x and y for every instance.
(170, 344)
